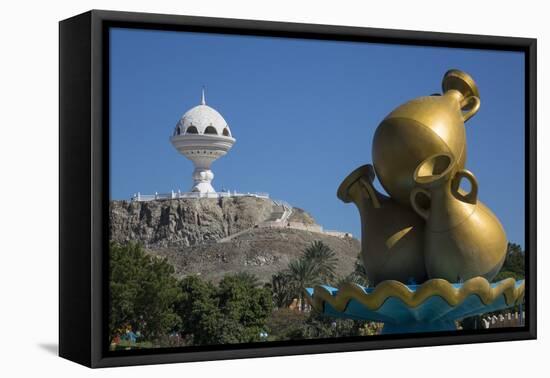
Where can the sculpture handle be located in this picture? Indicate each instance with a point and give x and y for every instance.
(471, 103)
(424, 213)
(470, 197)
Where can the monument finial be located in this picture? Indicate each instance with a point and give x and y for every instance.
(203, 98)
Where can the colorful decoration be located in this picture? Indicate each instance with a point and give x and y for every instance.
(432, 306)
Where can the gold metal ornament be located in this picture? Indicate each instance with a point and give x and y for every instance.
(454, 296)
(421, 128)
(464, 239)
(391, 234)
(428, 229)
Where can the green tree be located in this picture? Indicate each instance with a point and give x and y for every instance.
(514, 264)
(316, 265)
(283, 289)
(244, 307)
(515, 260)
(199, 310)
(360, 272)
(248, 278)
(358, 276)
(303, 273)
(324, 258)
(234, 312)
(284, 323)
(143, 292)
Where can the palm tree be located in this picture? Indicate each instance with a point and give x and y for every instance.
(283, 289)
(358, 276)
(303, 273)
(360, 273)
(321, 255)
(248, 279)
(353, 277)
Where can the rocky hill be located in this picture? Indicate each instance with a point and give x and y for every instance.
(213, 237)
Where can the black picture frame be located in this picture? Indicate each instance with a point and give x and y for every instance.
(84, 184)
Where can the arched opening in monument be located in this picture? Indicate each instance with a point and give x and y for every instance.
(192, 130)
(211, 130)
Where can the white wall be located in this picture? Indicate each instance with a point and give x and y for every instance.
(29, 174)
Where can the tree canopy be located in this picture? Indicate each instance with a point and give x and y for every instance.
(143, 292)
(316, 266)
(323, 258)
(234, 312)
(514, 264)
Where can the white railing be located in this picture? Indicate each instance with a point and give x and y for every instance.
(138, 197)
(287, 213)
(340, 234)
(287, 210)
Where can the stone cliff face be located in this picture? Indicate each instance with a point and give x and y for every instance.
(213, 237)
(185, 222)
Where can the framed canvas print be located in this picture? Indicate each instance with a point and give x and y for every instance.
(234, 188)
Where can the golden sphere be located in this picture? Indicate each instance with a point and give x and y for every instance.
(463, 239)
(421, 128)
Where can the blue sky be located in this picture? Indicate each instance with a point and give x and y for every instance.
(304, 113)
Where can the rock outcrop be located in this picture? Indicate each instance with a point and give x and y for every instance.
(213, 237)
(185, 222)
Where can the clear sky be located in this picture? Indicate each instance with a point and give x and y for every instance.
(304, 113)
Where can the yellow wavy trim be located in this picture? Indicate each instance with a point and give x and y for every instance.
(373, 301)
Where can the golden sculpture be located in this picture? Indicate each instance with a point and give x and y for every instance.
(464, 239)
(419, 153)
(421, 128)
(392, 235)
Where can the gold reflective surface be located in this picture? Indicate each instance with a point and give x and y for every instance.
(463, 239)
(436, 287)
(423, 127)
(392, 235)
(429, 227)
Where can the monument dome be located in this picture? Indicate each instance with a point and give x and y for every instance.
(202, 119)
(202, 136)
